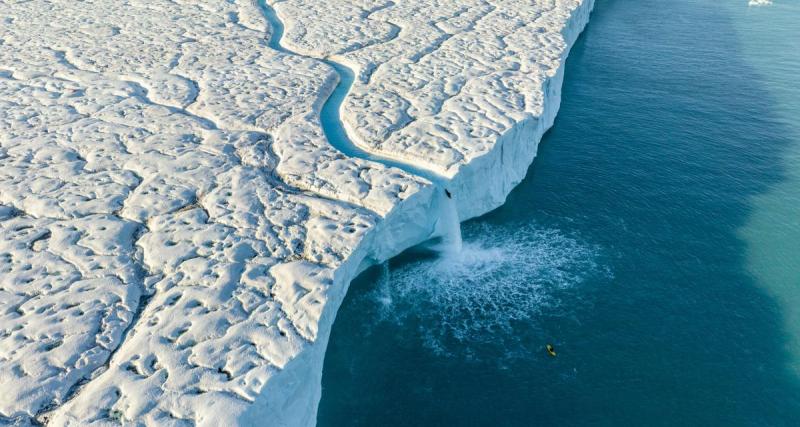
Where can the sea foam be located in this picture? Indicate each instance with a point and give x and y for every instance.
(501, 278)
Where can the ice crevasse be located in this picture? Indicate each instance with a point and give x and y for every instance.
(178, 221)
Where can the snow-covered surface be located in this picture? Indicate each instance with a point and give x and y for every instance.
(176, 232)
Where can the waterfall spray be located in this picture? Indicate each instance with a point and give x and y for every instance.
(448, 226)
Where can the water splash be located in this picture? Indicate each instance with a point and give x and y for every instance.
(497, 283)
(448, 228)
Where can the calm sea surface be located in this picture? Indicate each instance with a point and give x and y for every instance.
(655, 243)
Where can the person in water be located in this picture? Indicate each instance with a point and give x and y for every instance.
(447, 192)
(551, 350)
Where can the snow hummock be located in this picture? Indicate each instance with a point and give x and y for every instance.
(178, 224)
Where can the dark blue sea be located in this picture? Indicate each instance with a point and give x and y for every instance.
(655, 243)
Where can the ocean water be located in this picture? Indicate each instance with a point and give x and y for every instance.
(655, 243)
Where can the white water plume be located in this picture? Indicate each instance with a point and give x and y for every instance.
(500, 278)
(449, 228)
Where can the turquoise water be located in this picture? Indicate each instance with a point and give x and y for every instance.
(655, 243)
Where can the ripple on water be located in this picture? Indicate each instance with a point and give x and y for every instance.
(501, 280)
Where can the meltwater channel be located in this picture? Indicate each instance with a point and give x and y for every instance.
(655, 243)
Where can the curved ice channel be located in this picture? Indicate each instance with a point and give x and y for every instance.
(331, 119)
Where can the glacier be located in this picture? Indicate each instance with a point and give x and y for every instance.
(187, 189)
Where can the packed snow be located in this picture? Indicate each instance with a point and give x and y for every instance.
(177, 232)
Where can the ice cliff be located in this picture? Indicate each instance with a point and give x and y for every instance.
(177, 232)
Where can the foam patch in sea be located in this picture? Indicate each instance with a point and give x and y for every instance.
(500, 282)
